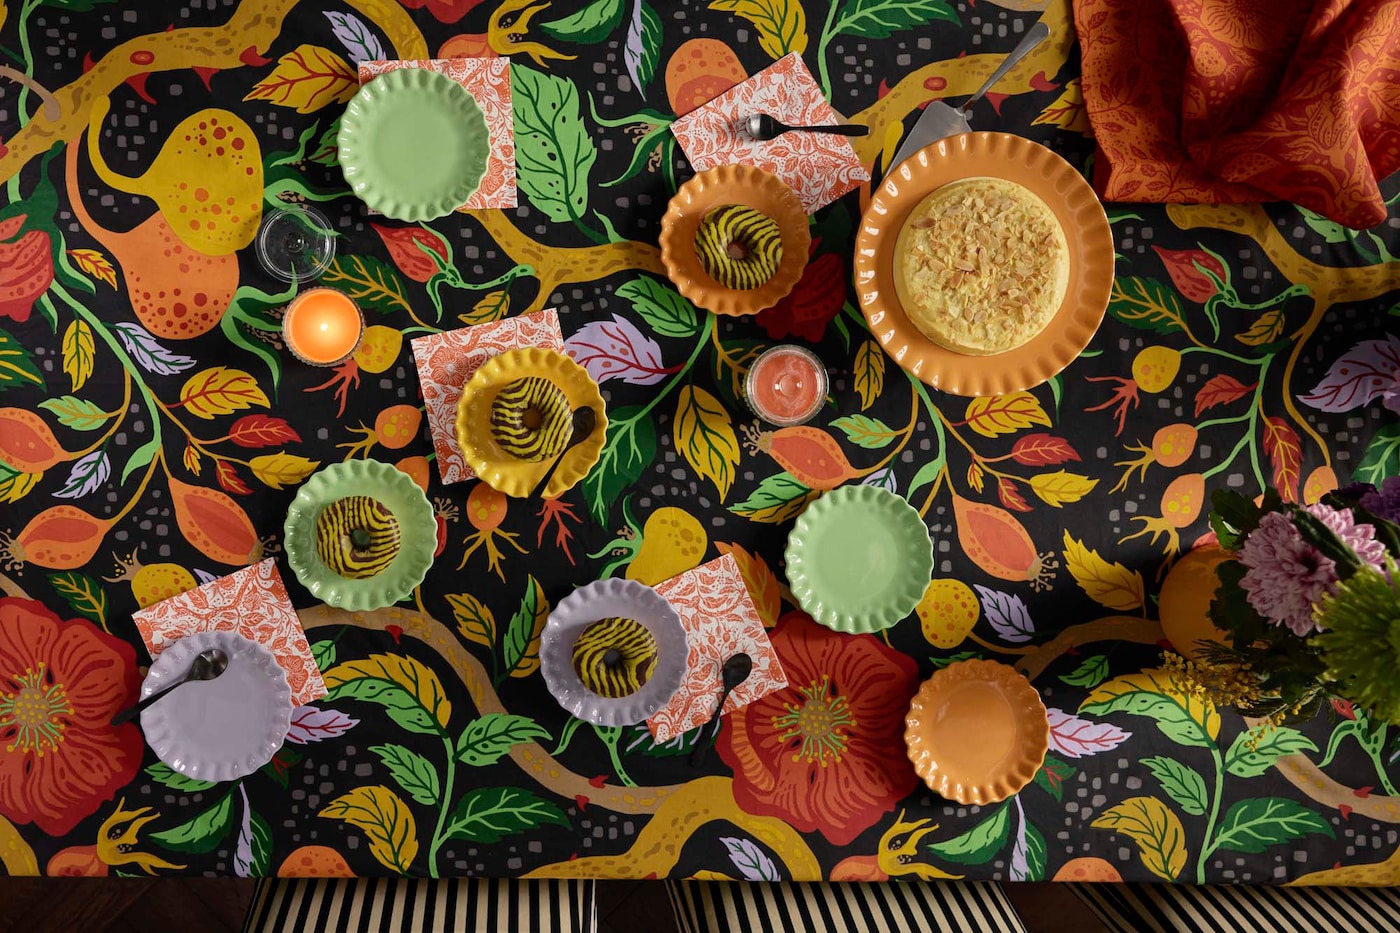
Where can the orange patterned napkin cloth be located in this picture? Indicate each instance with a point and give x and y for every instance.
(820, 167)
(252, 602)
(720, 620)
(488, 80)
(1223, 101)
(447, 360)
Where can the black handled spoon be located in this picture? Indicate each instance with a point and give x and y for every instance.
(763, 127)
(584, 420)
(206, 666)
(735, 671)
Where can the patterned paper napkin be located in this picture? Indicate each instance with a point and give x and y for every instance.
(720, 620)
(488, 80)
(447, 360)
(818, 166)
(252, 602)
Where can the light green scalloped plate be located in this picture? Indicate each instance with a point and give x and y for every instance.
(413, 144)
(397, 492)
(859, 559)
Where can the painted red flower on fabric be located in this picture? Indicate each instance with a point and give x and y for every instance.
(444, 11)
(26, 268)
(825, 753)
(60, 684)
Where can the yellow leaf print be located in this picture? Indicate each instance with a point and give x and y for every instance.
(394, 681)
(869, 373)
(386, 821)
(1109, 584)
(706, 437)
(1067, 112)
(1186, 720)
(282, 469)
(492, 307)
(79, 351)
(1265, 329)
(527, 626)
(94, 264)
(15, 486)
(1005, 414)
(474, 619)
(307, 78)
(1061, 487)
(781, 24)
(191, 459)
(221, 391)
(1160, 838)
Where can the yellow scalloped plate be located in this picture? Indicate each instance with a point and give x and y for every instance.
(733, 184)
(977, 732)
(507, 473)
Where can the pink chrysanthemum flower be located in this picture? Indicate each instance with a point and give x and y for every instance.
(1286, 577)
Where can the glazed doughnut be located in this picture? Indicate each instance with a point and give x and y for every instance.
(739, 247)
(357, 537)
(615, 657)
(531, 419)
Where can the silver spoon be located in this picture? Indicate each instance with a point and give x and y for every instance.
(763, 127)
(735, 671)
(584, 420)
(207, 665)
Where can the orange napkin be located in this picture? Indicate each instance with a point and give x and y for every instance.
(1222, 101)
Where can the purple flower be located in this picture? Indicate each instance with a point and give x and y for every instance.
(1384, 502)
(1284, 575)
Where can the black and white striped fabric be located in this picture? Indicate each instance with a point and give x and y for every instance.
(741, 907)
(1174, 908)
(420, 905)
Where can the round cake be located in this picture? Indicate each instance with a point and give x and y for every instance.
(614, 657)
(531, 419)
(739, 247)
(357, 537)
(981, 266)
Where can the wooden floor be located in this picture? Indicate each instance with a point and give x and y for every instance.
(202, 905)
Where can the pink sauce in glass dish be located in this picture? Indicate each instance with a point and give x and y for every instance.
(786, 385)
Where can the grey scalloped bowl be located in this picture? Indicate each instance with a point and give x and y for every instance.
(859, 559)
(386, 163)
(604, 599)
(222, 729)
(400, 495)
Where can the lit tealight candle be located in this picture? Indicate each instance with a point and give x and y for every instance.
(322, 326)
(786, 385)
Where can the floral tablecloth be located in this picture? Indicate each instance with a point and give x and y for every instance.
(151, 439)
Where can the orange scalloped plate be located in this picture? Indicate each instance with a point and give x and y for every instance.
(733, 184)
(1081, 216)
(976, 732)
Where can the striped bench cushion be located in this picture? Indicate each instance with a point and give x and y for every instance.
(741, 907)
(420, 905)
(1175, 908)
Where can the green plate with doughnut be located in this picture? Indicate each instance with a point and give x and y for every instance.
(515, 417)
(360, 535)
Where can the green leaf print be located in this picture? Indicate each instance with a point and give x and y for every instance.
(1182, 783)
(880, 19)
(488, 739)
(553, 150)
(1090, 672)
(413, 772)
(1252, 826)
(661, 307)
(591, 24)
(489, 814)
(979, 843)
(1273, 744)
(201, 834)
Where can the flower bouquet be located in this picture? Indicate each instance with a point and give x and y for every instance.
(1310, 599)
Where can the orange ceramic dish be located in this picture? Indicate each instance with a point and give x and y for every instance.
(733, 184)
(1081, 217)
(976, 732)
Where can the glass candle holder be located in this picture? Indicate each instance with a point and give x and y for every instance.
(296, 244)
(786, 385)
(322, 326)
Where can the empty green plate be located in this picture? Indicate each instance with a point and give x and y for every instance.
(413, 144)
(859, 559)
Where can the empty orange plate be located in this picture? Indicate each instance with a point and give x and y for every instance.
(733, 184)
(1064, 191)
(976, 732)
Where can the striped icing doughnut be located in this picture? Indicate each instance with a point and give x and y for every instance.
(614, 657)
(739, 247)
(357, 537)
(530, 419)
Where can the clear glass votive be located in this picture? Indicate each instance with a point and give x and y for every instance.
(786, 385)
(296, 244)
